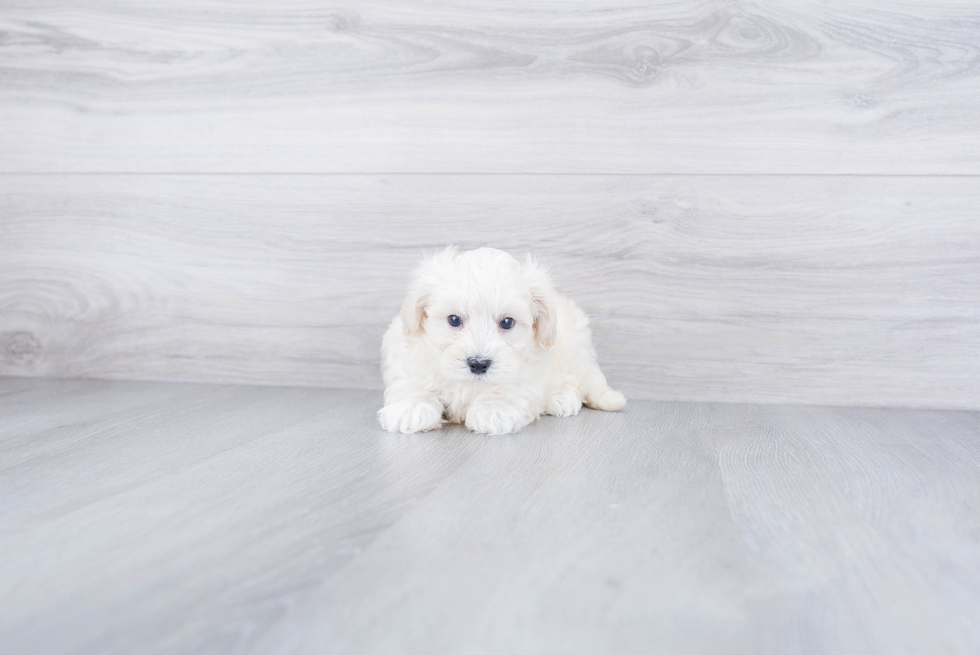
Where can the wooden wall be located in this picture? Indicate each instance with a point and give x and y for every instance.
(755, 201)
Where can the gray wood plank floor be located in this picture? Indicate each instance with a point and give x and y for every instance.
(830, 289)
(588, 86)
(178, 518)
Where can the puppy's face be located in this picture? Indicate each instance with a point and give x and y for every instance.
(482, 311)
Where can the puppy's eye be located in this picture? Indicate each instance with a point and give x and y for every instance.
(455, 321)
(507, 323)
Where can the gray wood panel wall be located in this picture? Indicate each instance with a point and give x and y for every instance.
(755, 201)
(584, 86)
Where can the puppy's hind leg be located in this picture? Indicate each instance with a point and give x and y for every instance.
(599, 395)
(605, 398)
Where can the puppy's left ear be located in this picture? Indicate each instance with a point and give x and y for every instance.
(542, 302)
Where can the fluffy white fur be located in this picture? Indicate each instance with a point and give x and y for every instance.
(545, 364)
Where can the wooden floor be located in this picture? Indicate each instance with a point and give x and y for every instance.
(142, 517)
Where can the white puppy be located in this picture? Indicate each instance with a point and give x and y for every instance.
(484, 340)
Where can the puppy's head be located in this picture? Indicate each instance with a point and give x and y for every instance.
(482, 311)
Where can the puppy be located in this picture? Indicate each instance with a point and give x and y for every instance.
(484, 340)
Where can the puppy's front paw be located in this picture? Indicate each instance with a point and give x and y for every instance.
(495, 418)
(566, 402)
(410, 416)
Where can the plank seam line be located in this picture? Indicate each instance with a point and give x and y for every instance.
(457, 174)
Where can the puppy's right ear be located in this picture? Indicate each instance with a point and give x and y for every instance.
(413, 309)
(427, 277)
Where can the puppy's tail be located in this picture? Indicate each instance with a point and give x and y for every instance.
(605, 398)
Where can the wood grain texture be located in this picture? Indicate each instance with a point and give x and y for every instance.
(836, 290)
(176, 518)
(589, 86)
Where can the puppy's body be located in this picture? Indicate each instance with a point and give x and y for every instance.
(495, 379)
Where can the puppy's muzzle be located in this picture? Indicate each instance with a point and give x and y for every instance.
(479, 366)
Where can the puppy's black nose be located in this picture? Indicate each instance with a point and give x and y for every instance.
(479, 366)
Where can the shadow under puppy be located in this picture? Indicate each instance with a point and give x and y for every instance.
(485, 340)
